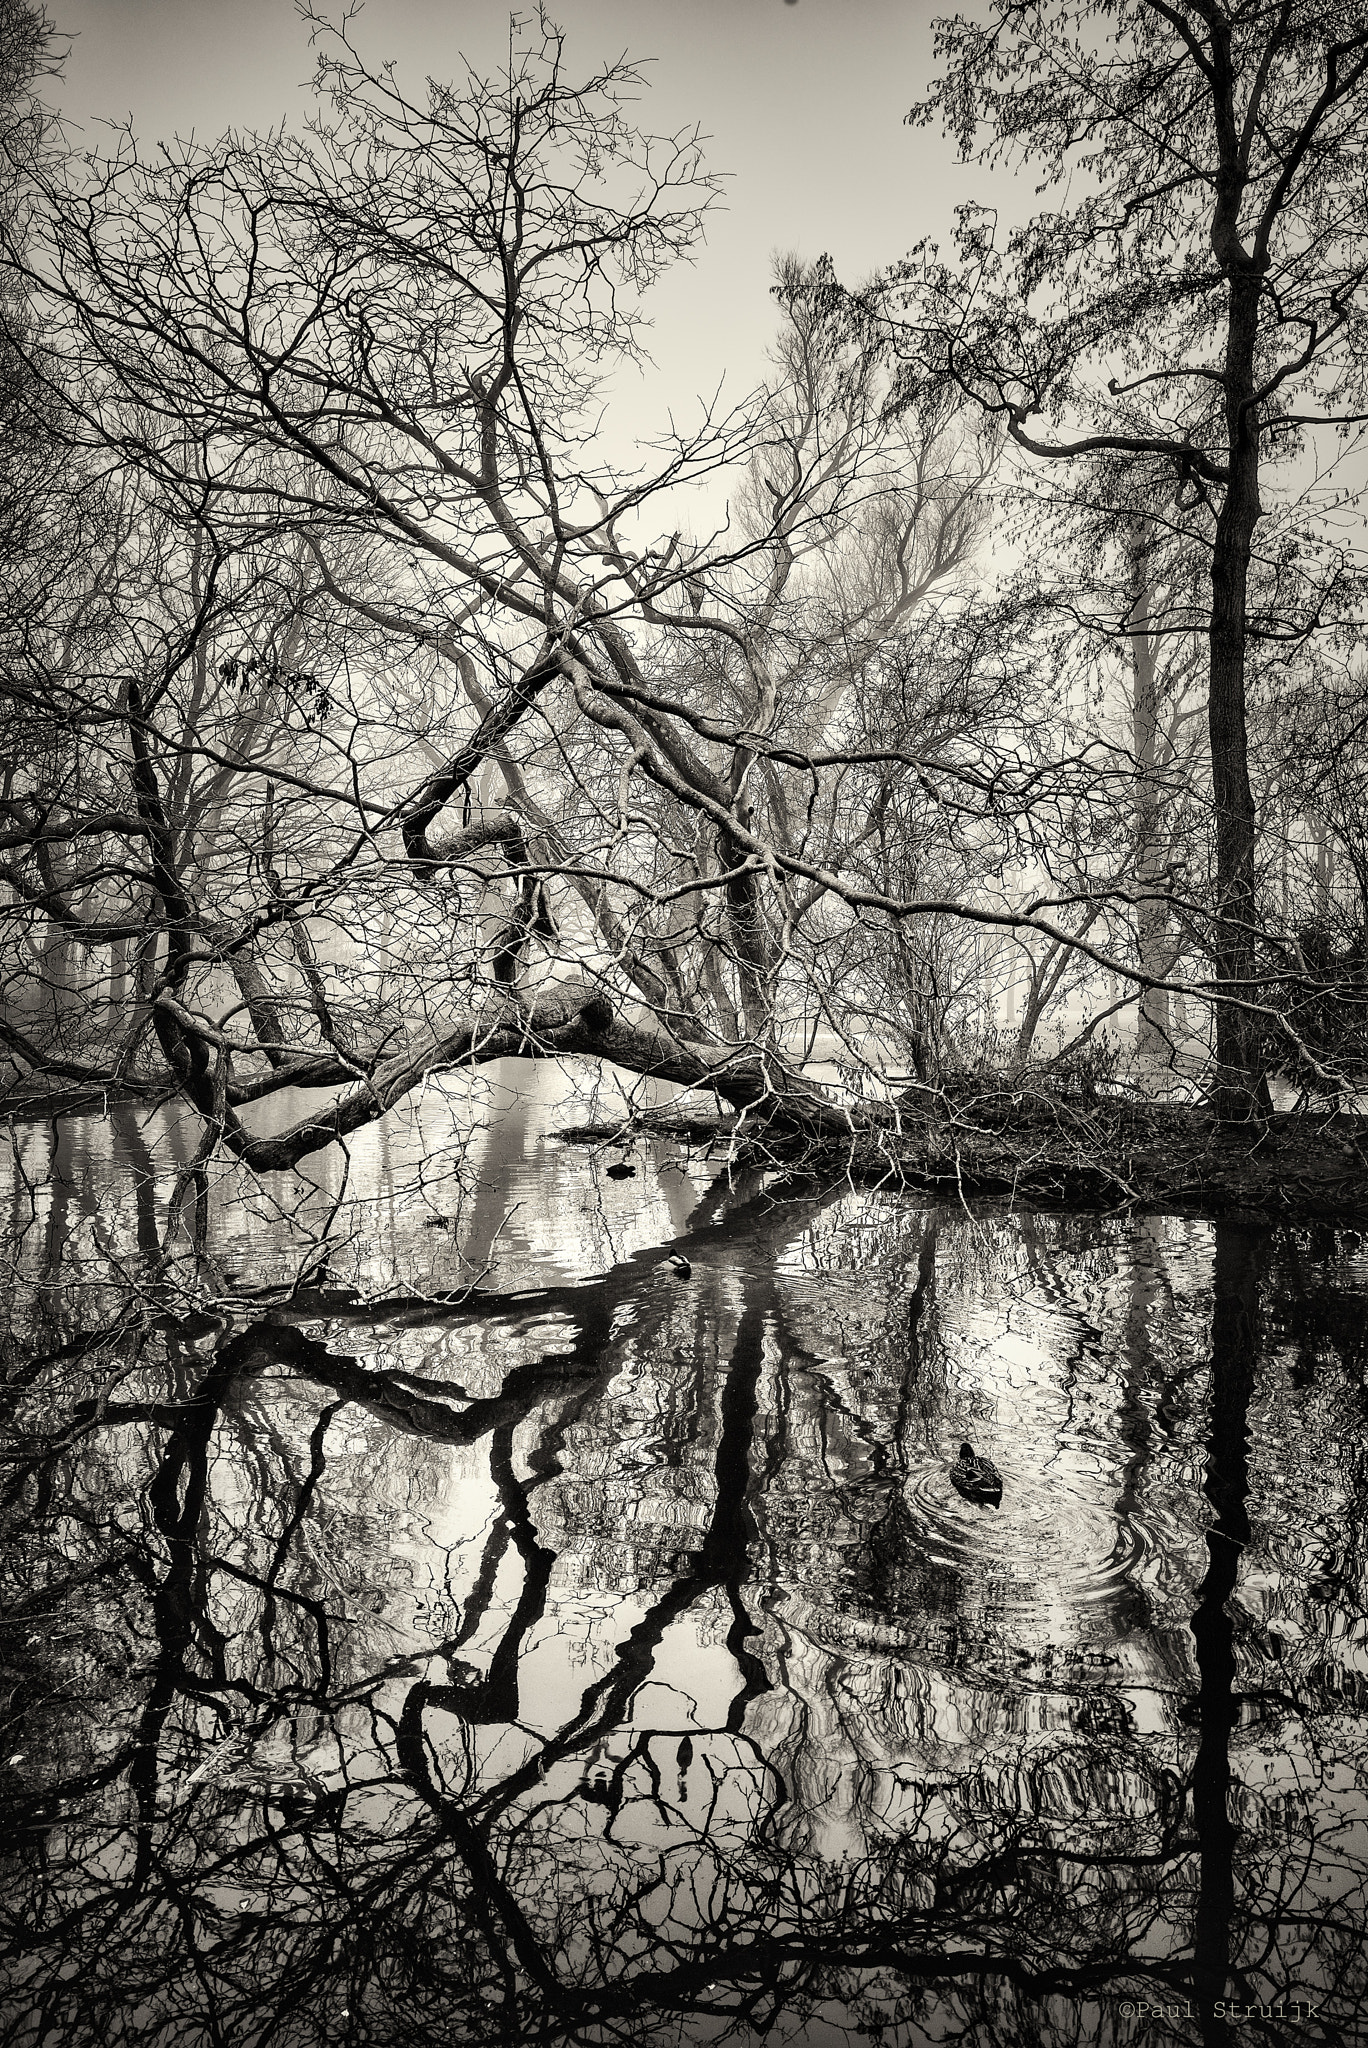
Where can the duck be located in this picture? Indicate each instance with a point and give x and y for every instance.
(975, 1478)
(624, 1170)
(680, 1267)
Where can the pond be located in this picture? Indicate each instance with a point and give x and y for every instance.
(499, 1634)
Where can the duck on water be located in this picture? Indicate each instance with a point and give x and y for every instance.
(976, 1479)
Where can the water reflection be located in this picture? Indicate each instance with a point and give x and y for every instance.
(606, 1656)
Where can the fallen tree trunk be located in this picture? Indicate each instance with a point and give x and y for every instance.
(573, 1021)
(1120, 1156)
(1024, 1149)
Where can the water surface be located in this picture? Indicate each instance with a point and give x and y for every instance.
(598, 1654)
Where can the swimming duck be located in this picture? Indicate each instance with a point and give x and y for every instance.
(976, 1479)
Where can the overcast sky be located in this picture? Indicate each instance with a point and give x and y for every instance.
(804, 103)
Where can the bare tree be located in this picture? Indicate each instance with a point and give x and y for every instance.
(356, 377)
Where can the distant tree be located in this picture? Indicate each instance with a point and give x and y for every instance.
(1109, 600)
(1191, 311)
(1311, 737)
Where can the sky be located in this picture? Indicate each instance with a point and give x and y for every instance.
(804, 101)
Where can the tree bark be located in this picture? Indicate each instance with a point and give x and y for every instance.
(1241, 1092)
(1153, 1035)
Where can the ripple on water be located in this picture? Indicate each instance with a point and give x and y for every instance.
(1057, 1547)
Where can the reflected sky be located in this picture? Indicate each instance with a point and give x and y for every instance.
(601, 1654)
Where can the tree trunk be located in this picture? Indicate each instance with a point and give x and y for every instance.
(1241, 1092)
(751, 941)
(1153, 1034)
